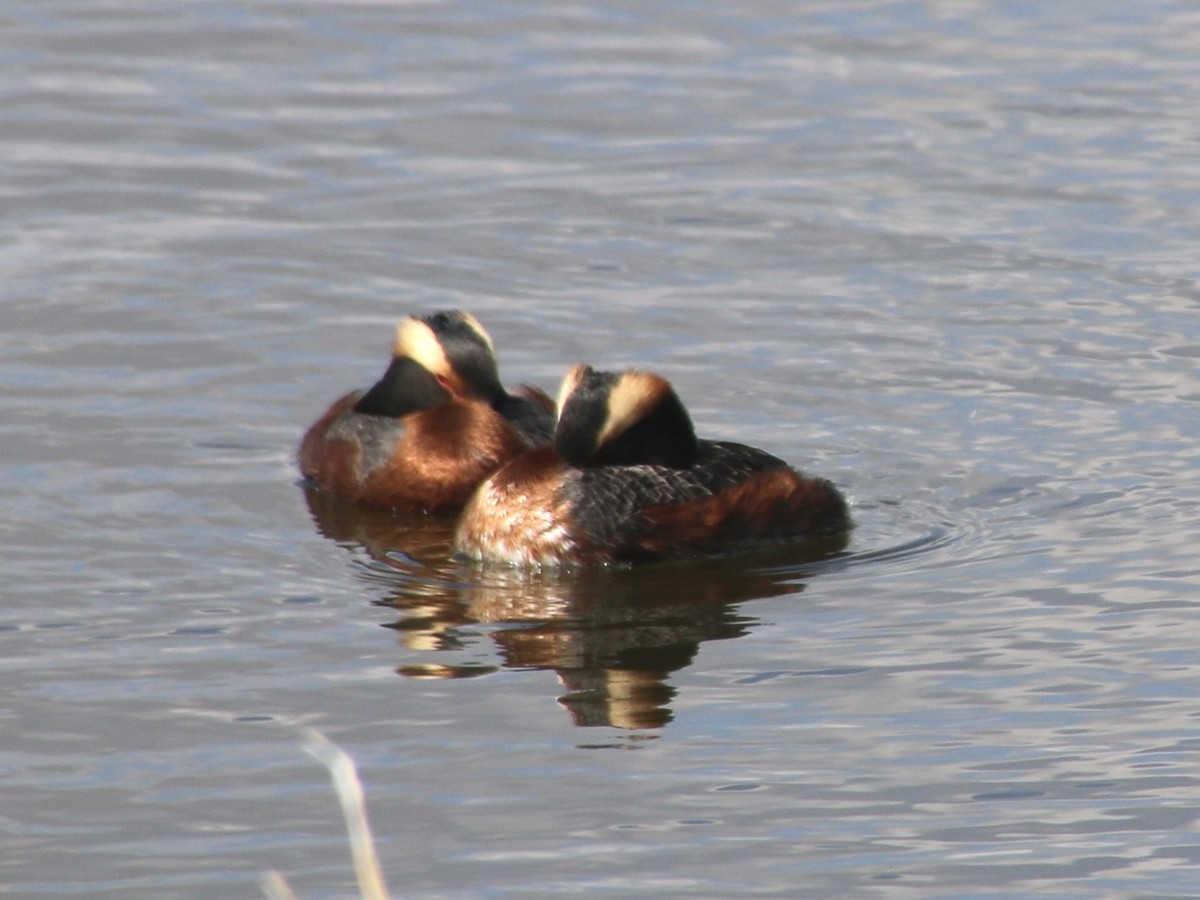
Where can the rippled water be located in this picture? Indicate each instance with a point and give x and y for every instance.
(943, 253)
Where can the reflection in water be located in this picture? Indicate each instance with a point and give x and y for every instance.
(613, 636)
(384, 535)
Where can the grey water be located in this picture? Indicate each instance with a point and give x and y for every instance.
(943, 253)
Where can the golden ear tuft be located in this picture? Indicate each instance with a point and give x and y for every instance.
(634, 396)
(569, 383)
(416, 340)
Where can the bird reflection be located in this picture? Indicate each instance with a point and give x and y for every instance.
(612, 636)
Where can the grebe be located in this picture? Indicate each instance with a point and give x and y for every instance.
(432, 428)
(628, 481)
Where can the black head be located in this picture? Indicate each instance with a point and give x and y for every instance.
(626, 418)
(435, 358)
(457, 350)
(405, 387)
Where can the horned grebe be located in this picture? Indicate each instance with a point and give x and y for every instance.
(432, 428)
(628, 481)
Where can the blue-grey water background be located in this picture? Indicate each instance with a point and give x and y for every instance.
(944, 253)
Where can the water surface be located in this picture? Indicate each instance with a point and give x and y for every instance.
(942, 253)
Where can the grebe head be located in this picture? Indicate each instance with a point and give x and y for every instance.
(435, 358)
(622, 418)
(455, 348)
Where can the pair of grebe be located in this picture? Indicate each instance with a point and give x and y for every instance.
(617, 476)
